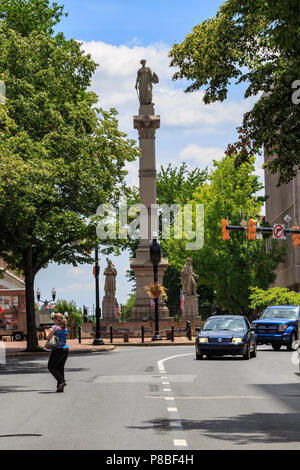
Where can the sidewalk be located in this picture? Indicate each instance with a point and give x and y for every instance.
(17, 348)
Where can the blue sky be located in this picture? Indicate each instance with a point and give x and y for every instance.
(119, 34)
(121, 22)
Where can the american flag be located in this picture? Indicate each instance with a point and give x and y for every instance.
(181, 300)
(118, 310)
(152, 303)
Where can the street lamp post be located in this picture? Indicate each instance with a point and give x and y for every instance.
(46, 302)
(155, 257)
(98, 340)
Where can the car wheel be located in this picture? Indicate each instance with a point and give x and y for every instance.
(246, 356)
(254, 352)
(18, 337)
(276, 347)
(199, 356)
(209, 356)
(290, 346)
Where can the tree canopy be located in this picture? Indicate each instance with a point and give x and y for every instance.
(230, 267)
(60, 155)
(256, 42)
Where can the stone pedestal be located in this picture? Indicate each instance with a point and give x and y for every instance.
(190, 311)
(108, 309)
(146, 123)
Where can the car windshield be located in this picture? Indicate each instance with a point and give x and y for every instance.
(225, 324)
(290, 313)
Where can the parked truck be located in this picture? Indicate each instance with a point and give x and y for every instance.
(13, 315)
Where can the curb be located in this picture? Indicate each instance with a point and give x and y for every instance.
(71, 352)
(155, 343)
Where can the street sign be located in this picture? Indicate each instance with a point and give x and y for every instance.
(278, 231)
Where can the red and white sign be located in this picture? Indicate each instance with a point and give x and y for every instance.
(278, 231)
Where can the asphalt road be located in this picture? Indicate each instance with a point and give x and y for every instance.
(158, 398)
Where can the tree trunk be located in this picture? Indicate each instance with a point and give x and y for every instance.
(32, 341)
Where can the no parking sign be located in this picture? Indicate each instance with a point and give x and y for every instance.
(278, 231)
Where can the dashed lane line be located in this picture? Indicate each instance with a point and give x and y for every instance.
(175, 420)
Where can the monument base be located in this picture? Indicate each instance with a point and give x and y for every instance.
(143, 270)
(190, 311)
(108, 309)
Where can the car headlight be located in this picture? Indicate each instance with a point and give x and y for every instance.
(282, 327)
(237, 340)
(203, 340)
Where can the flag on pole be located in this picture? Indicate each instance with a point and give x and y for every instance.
(118, 310)
(152, 303)
(181, 300)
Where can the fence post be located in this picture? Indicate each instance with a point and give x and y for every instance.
(111, 333)
(79, 334)
(143, 333)
(172, 335)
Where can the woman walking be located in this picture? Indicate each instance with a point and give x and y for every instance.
(59, 354)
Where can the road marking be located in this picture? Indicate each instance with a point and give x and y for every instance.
(228, 397)
(142, 379)
(176, 423)
(161, 362)
(180, 442)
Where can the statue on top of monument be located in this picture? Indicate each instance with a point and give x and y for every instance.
(188, 278)
(144, 80)
(110, 273)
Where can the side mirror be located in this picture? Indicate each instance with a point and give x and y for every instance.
(197, 329)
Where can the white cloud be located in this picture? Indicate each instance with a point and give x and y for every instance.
(77, 287)
(201, 156)
(114, 82)
(75, 272)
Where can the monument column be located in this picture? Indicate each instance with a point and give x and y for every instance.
(146, 123)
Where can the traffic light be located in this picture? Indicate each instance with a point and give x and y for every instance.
(225, 232)
(296, 236)
(252, 229)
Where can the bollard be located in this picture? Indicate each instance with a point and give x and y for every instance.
(111, 333)
(79, 334)
(143, 333)
(189, 330)
(173, 333)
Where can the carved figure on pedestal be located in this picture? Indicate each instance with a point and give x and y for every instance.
(110, 273)
(188, 277)
(144, 80)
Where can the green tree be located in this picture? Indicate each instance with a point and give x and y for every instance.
(256, 42)
(60, 155)
(62, 306)
(260, 298)
(126, 308)
(230, 267)
(174, 185)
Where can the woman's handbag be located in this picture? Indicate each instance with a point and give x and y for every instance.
(51, 343)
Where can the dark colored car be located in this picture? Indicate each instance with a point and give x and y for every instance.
(278, 326)
(226, 335)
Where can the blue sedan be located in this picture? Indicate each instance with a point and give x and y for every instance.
(226, 335)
